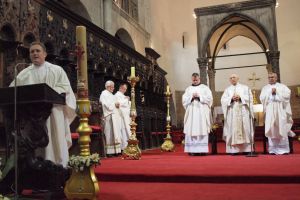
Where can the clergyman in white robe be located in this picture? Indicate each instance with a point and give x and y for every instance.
(58, 123)
(125, 118)
(112, 119)
(278, 115)
(237, 105)
(197, 101)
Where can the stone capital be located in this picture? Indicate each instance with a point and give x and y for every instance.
(202, 62)
(273, 54)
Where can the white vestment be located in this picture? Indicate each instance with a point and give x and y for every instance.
(238, 123)
(112, 121)
(125, 118)
(197, 118)
(278, 117)
(58, 123)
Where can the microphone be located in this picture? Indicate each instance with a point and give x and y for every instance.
(16, 129)
(252, 127)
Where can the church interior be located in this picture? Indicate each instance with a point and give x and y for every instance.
(154, 46)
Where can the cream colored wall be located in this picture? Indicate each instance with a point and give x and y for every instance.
(288, 30)
(239, 45)
(95, 9)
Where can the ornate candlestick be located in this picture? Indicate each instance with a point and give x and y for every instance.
(168, 144)
(82, 184)
(132, 151)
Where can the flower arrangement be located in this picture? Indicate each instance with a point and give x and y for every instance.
(3, 198)
(79, 163)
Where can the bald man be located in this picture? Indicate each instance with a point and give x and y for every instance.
(112, 120)
(275, 98)
(237, 107)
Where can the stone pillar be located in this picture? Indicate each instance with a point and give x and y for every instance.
(107, 14)
(202, 62)
(273, 57)
(212, 81)
(102, 17)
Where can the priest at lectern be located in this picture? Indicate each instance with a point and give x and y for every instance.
(61, 116)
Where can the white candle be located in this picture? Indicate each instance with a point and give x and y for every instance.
(132, 72)
(82, 62)
(168, 88)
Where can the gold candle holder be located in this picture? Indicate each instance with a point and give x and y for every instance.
(82, 184)
(168, 144)
(132, 151)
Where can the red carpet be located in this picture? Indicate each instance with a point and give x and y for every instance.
(176, 175)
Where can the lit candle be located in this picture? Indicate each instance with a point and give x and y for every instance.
(82, 55)
(168, 88)
(132, 72)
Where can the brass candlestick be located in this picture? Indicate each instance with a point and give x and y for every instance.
(132, 151)
(168, 144)
(82, 184)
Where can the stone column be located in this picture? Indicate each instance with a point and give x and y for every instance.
(102, 17)
(212, 81)
(274, 61)
(107, 14)
(202, 62)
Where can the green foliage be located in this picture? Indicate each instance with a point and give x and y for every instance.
(80, 162)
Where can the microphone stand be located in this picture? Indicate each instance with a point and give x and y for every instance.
(16, 130)
(252, 153)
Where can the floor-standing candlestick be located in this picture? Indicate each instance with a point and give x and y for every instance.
(168, 145)
(82, 184)
(132, 151)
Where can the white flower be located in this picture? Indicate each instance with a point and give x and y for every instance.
(80, 162)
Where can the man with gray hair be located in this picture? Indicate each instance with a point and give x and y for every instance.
(112, 120)
(237, 106)
(124, 114)
(275, 98)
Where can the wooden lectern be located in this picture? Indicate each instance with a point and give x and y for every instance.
(33, 107)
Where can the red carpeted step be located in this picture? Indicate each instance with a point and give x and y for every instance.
(199, 191)
(156, 166)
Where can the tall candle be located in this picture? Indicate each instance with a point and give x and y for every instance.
(132, 72)
(82, 55)
(168, 88)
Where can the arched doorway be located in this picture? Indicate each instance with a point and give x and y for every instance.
(216, 25)
(234, 58)
(125, 37)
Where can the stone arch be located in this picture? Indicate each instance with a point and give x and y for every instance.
(216, 25)
(78, 7)
(125, 37)
(250, 29)
(7, 33)
(28, 39)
